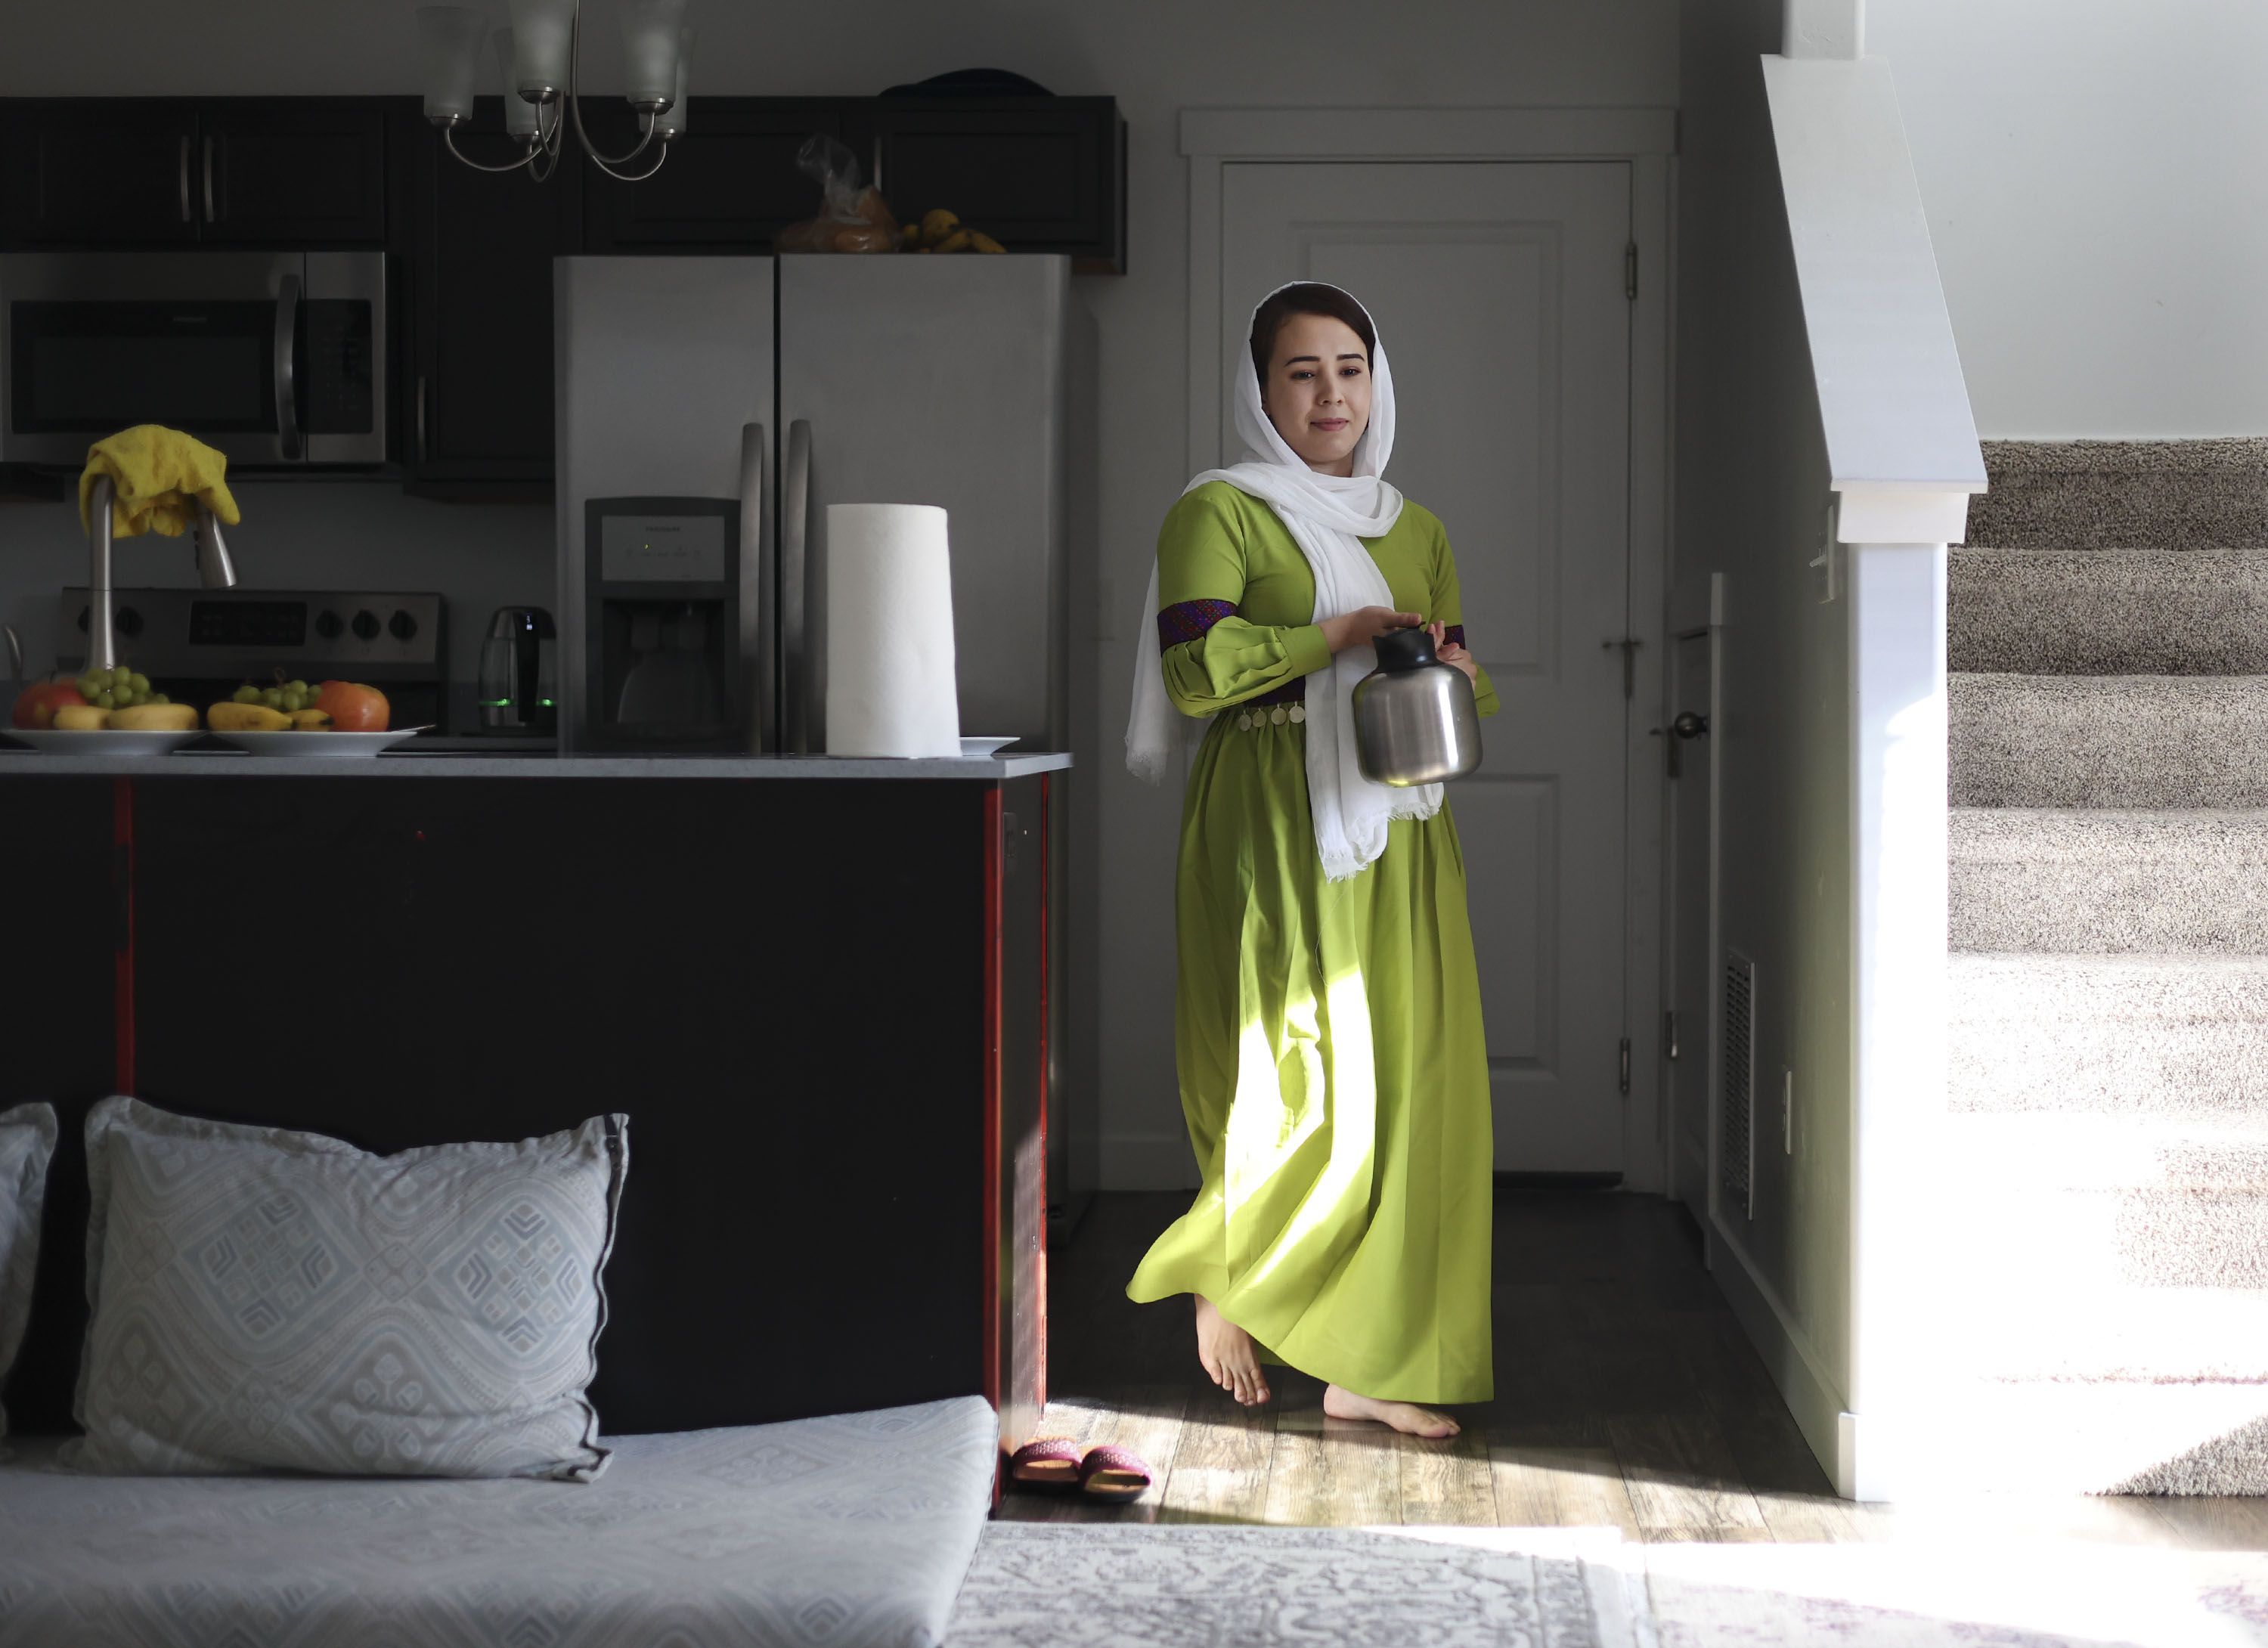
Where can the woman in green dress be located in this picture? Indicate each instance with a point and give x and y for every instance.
(1327, 1025)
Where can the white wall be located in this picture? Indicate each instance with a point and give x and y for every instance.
(1157, 59)
(2096, 178)
(1752, 499)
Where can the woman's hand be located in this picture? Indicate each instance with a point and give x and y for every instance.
(1449, 652)
(1362, 626)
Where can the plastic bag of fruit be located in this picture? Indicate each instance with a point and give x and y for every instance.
(851, 218)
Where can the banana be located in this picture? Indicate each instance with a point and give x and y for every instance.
(984, 242)
(955, 241)
(81, 719)
(155, 718)
(310, 720)
(246, 717)
(938, 224)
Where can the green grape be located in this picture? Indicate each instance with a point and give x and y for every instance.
(160, 698)
(272, 696)
(122, 698)
(292, 701)
(122, 676)
(140, 683)
(87, 685)
(301, 688)
(246, 694)
(104, 700)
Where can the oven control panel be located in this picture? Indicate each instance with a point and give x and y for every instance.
(211, 633)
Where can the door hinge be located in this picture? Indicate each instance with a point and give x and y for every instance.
(1630, 270)
(1669, 1031)
(1625, 1063)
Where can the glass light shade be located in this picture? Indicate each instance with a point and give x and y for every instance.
(542, 32)
(671, 121)
(650, 54)
(451, 38)
(519, 114)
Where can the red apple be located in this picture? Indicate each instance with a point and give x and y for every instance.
(353, 707)
(36, 707)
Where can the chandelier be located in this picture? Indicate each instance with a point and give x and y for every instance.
(540, 56)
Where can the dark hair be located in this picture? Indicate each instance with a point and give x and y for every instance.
(1307, 297)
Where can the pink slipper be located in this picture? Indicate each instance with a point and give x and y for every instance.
(1047, 1463)
(1108, 1472)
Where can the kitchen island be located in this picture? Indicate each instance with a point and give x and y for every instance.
(829, 975)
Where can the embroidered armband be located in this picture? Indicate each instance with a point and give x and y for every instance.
(1189, 620)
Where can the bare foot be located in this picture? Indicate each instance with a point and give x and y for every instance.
(1228, 1356)
(1341, 1404)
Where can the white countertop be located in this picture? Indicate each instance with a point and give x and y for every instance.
(210, 763)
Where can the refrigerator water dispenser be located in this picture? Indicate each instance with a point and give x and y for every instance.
(662, 607)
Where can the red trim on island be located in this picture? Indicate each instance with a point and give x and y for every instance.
(993, 847)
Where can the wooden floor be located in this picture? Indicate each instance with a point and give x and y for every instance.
(1627, 1396)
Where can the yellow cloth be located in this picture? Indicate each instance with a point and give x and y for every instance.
(160, 473)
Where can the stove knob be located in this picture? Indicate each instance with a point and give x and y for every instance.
(366, 625)
(328, 625)
(403, 626)
(130, 622)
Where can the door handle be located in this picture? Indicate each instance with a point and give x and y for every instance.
(1685, 724)
(208, 189)
(800, 724)
(186, 215)
(757, 697)
(418, 420)
(287, 391)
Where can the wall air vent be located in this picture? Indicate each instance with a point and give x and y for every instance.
(1736, 1091)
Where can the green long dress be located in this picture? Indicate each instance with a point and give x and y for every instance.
(1327, 1035)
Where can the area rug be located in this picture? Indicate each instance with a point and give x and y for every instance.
(1055, 1586)
(1042, 1586)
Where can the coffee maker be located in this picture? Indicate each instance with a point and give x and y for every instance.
(520, 688)
(662, 604)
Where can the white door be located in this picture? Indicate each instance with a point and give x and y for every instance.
(1499, 291)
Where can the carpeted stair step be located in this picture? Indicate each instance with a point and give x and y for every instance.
(2108, 881)
(2157, 1437)
(2107, 611)
(2123, 494)
(2107, 741)
(2075, 1037)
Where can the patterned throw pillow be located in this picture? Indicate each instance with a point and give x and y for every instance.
(28, 1139)
(264, 1299)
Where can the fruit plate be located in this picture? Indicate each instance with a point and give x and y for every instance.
(101, 741)
(331, 745)
(984, 745)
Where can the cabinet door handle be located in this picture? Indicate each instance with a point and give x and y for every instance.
(209, 192)
(287, 382)
(420, 437)
(756, 611)
(186, 217)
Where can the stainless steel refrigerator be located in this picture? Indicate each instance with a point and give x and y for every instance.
(727, 401)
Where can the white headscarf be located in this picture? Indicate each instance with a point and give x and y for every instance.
(1326, 516)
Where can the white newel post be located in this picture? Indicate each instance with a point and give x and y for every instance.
(1898, 794)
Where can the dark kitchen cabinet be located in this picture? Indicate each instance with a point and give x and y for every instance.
(308, 172)
(1037, 175)
(728, 185)
(305, 172)
(97, 171)
(478, 379)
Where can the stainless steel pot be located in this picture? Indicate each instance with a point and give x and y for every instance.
(1415, 721)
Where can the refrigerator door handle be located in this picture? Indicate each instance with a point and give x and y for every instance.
(798, 727)
(758, 698)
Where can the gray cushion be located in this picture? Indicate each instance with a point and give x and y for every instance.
(847, 1532)
(269, 1299)
(27, 1142)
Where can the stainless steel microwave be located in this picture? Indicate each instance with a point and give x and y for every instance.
(278, 359)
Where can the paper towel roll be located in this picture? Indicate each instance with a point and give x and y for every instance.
(890, 683)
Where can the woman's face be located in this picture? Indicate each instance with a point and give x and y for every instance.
(1317, 391)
